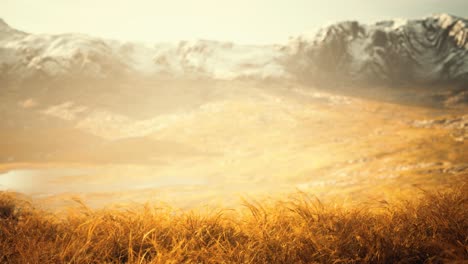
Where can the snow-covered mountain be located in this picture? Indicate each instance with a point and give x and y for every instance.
(25, 55)
(428, 50)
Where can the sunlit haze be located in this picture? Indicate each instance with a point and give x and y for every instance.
(241, 131)
(241, 21)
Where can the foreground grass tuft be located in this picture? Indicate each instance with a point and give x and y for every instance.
(433, 229)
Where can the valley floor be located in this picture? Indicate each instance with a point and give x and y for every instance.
(225, 141)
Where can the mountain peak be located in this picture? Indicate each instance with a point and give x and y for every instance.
(447, 15)
(3, 24)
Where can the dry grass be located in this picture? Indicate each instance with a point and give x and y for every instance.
(301, 230)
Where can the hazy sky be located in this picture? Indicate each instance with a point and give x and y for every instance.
(243, 21)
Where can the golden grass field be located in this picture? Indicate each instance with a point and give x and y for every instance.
(300, 229)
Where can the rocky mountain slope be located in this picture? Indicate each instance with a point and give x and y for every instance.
(429, 50)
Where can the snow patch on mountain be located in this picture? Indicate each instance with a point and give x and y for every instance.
(219, 60)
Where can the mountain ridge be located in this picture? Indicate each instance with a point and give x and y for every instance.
(430, 50)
